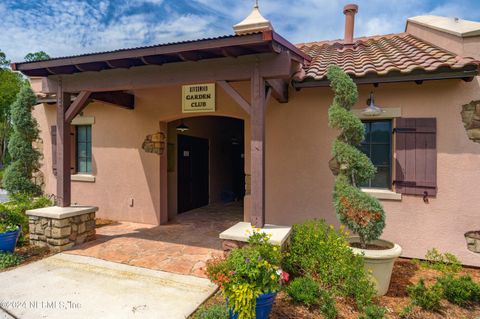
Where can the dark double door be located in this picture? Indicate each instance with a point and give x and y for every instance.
(193, 184)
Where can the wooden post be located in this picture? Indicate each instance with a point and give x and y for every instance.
(257, 145)
(63, 149)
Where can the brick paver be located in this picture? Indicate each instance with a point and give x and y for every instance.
(181, 246)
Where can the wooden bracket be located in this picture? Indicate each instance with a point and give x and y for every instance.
(77, 106)
(235, 96)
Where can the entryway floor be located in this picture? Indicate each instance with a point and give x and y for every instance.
(181, 246)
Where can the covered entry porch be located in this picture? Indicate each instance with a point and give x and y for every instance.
(249, 72)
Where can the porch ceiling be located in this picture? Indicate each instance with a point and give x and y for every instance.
(203, 49)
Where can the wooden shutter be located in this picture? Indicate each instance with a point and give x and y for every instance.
(53, 134)
(416, 156)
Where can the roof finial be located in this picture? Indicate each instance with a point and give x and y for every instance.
(255, 22)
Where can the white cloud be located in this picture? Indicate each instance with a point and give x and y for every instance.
(68, 27)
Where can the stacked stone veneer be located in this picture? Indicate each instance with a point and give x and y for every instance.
(154, 143)
(59, 231)
(471, 120)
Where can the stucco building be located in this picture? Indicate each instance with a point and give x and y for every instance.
(266, 142)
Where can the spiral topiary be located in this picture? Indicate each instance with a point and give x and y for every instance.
(355, 209)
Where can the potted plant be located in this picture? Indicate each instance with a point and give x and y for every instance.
(357, 210)
(9, 234)
(249, 277)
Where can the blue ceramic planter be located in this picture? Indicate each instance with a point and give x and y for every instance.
(8, 240)
(264, 306)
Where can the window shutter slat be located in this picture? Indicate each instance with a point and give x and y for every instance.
(53, 133)
(416, 156)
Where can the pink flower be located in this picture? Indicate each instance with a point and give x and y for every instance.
(284, 276)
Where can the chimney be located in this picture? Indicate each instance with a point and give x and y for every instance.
(349, 11)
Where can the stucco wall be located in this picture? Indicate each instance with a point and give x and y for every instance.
(122, 170)
(299, 182)
(299, 186)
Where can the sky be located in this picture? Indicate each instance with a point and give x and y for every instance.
(71, 27)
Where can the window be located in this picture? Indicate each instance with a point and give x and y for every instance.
(377, 145)
(84, 149)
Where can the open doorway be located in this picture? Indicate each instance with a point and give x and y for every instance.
(209, 163)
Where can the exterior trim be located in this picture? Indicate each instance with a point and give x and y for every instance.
(383, 194)
(83, 120)
(83, 178)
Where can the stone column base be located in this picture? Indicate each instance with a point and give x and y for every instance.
(237, 236)
(61, 228)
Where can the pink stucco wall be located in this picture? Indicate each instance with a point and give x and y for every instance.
(298, 147)
(298, 134)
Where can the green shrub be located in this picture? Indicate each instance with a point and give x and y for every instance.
(462, 291)
(18, 177)
(215, 311)
(446, 262)
(373, 312)
(318, 251)
(425, 297)
(328, 306)
(304, 290)
(13, 212)
(406, 311)
(355, 209)
(9, 260)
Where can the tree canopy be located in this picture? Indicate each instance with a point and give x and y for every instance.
(36, 56)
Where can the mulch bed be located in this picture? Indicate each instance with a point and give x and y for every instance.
(30, 254)
(404, 273)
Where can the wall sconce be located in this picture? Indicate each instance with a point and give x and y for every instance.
(372, 109)
(182, 127)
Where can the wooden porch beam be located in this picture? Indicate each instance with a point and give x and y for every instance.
(257, 148)
(77, 106)
(280, 89)
(121, 99)
(63, 149)
(212, 70)
(235, 96)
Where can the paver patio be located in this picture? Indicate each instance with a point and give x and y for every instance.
(181, 246)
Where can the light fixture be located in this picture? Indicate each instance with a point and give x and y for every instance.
(182, 127)
(372, 109)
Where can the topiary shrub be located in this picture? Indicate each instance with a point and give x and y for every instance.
(462, 291)
(304, 290)
(18, 175)
(355, 209)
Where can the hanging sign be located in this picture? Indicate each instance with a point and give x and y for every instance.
(198, 98)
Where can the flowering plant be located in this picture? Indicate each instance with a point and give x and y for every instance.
(247, 273)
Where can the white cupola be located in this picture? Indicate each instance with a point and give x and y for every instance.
(255, 22)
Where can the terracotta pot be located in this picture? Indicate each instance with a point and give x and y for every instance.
(379, 262)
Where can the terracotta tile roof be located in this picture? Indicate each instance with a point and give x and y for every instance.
(378, 55)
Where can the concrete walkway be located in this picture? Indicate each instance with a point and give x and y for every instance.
(71, 286)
